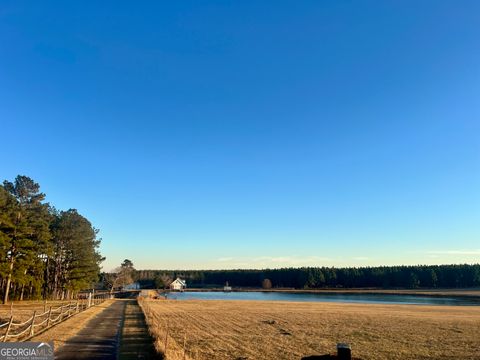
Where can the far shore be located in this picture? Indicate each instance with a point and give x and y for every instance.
(469, 292)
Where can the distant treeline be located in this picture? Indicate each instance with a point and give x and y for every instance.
(421, 276)
(44, 252)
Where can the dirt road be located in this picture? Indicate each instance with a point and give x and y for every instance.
(117, 332)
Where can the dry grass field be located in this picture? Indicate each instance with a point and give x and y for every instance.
(287, 330)
(23, 310)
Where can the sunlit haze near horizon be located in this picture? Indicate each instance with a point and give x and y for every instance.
(220, 135)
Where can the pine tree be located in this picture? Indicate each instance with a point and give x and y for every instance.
(43, 251)
(76, 260)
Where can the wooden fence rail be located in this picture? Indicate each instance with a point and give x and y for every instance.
(21, 331)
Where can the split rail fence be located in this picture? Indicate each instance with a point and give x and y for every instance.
(39, 322)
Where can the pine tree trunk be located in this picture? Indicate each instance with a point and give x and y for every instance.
(9, 280)
(46, 279)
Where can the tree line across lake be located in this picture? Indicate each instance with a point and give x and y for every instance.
(48, 253)
(420, 276)
(44, 252)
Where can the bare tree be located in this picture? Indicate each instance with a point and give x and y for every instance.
(166, 279)
(120, 276)
(266, 284)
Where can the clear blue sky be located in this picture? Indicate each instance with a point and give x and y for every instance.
(221, 134)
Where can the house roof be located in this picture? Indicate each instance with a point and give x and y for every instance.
(179, 281)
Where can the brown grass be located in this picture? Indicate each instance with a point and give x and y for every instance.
(288, 330)
(135, 342)
(23, 310)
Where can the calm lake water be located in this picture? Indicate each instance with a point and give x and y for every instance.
(315, 297)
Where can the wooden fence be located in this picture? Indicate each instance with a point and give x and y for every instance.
(21, 331)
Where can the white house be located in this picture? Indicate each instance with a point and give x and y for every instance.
(178, 284)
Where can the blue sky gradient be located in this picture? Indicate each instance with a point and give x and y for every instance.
(223, 134)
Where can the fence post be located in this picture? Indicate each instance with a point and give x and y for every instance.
(89, 300)
(344, 352)
(49, 316)
(11, 309)
(8, 329)
(33, 322)
(76, 310)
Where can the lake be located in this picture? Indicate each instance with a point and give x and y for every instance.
(330, 297)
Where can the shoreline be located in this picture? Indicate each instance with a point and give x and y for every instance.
(459, 293)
